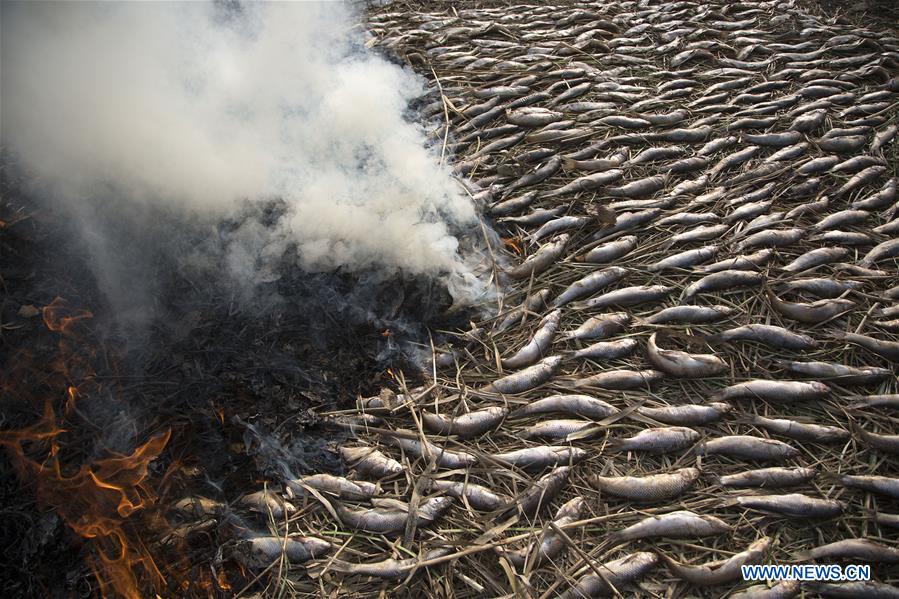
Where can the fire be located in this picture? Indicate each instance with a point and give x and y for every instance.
(96, 500)
(513, 243)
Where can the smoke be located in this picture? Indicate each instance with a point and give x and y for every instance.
(140, 118)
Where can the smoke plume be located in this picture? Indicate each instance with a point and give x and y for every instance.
(141, 117)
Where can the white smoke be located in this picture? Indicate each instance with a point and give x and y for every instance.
(196, 107)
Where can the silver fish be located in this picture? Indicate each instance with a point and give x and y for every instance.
(467, 425)
(687, 415)
(614, 575)
(683, 364)
(722, 571)
(528, 378)
(539, 343)
(794, 505)
(657, 440)
(747, 447)
(769, 478)
(654, 487)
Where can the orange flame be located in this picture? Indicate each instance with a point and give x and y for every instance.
(95, 500)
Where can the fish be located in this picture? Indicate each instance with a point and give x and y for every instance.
(541, 457)
(687, 415)
(846, 375)
(870, 589)
(590, 284)
(612, 577)
(619, 379)
(769, 478)
(388, 568)
(723, 571)
(887, 443)
(772, 335)
(428, 451)
(681, 524)
(370, 461)
(342, 488)
(650, 488)
(747, 447)
(786, 589)
(539, 343)
(626, 296)
(465, 426)
(607, 350)
(813, 312)
(262, 551)
(600, 326)
(863, 550)
(794, 505)
(534, 303)
(540, 495)
(888, 350)
(657, 440)
(683, 364)
(878, 484)
(609, 251)
(267, 503)
(477, 496)
(391, 520)
(541, 259)
(526, 379)
(556, 429)
(800, 431)
(691, 314)
(718, 281)
(575, 405)
(550, 543)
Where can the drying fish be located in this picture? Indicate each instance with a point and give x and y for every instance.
(479, 497)
(467, 425)
(846, 375)
(641, 187)
(854, 590)
(657, 440)
(575, 405)
(691, 314)
(370, 461)
(887, 443)
(342, 488)
(811, 313)
(627, 296)
(557, 429)
(267, 503)
(261, 552)
(794, 505)
(607, 350)
(876, 484)
(772, 335)
(786, 589)
(388, 568)
(539, 343)
(685, 259)
(609, 251)
(723, 571)
(800, 431)
(541, 457)
(539, 496)
(526, 379)
(774, 391)
(655, 487)
(885, 349)
(586, 183)
(816, 258)
(550, 544)
(590, 284)
(746, 447)
(533, 303)
(541, 259)
(683, 364)
(822, 287)
(726, 279)
(674, 525)
(612, 577)
(771, 238)
(559, 224)
(860, 549)
(687, 415)
(886, 249)
(429, 451)
(603, 325)
(387, 520)
(620, 379)
(768, 478)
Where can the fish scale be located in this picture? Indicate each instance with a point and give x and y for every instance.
(782, 171)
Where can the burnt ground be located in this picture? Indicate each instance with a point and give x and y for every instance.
(234, 382)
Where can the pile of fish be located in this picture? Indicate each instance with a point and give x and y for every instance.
(694, 363)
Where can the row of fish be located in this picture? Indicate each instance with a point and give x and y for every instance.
(698, 204)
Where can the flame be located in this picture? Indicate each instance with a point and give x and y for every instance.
(513, 243)
(96, 500)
